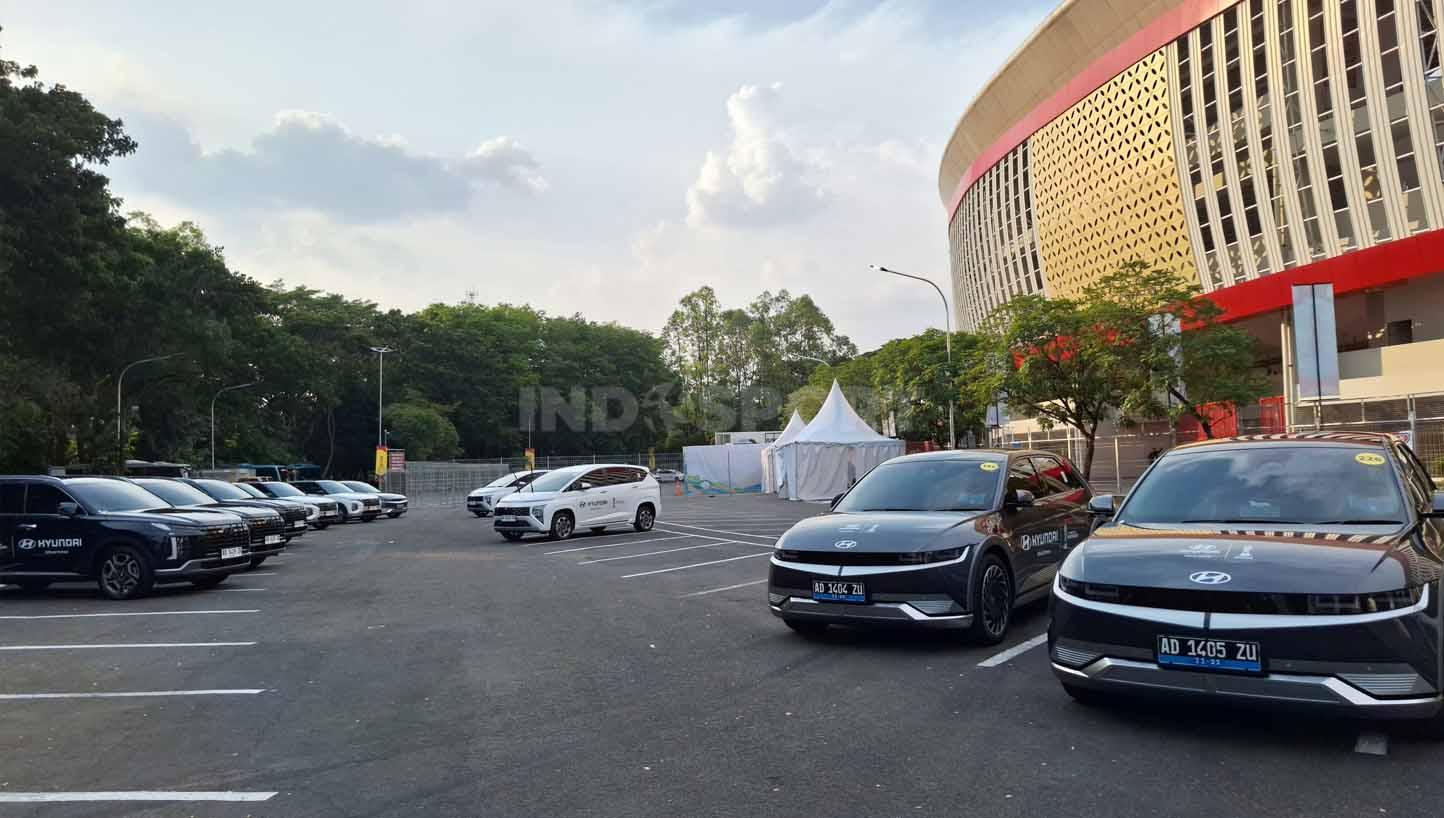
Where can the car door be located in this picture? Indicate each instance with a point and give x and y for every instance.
(46, 540)
(12, 505)
(594, 506)
(630, 493)
(1062, 514)
(1025, 526)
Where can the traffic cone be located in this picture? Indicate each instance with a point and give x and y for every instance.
(679, 488)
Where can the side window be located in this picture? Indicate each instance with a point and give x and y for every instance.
(638, 475)
(43, 498)
(596, 478)
(309, 488)
(1021, 476)
(12, 498)
(1056, 477)
(1416, 475)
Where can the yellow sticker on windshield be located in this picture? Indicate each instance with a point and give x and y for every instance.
(988, 466)
(1370, 459)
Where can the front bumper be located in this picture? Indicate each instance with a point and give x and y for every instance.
(478, 505)
(195, 569)
(921, 596)
(397, 507)
(521, 523)
(295, 528)
(1375, 665)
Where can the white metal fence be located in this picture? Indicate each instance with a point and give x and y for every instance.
(446, 483)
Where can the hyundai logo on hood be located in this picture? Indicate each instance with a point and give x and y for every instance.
(845, 544)
(1209, 577)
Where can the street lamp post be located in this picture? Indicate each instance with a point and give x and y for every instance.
(380, 394)
(218, 393)
(948, 340)
(118, 383)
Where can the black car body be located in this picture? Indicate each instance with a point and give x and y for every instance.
(113, 532)
(943, 539)
(1299, 569)
(353, 505)
(392, 505)
(328, 510)
(267, 525)
(230, 495)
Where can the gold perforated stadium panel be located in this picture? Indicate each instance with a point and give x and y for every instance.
(1105, 184)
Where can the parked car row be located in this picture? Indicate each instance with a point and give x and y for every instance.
(559, 502)
(1299, 570)
(129, 534)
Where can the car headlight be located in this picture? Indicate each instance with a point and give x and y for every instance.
(538, 512)
(355, 506)
(945, 555)
(181, 545)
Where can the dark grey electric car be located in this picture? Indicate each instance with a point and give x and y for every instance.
(942, 540)
(1298, 569)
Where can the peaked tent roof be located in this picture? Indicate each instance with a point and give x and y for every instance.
(792, 430)
(836, 422)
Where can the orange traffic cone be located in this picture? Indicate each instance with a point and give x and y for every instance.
(678, 484)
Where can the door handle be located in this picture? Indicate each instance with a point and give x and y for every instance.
(25, 527)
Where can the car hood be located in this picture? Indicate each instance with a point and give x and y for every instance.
(183, 516)
(491, 492)
(885, 531)
(1329, 560)
(389, 497)
(350, 495)
(528, 498)
(246, 509)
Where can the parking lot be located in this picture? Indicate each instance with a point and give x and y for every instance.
(425, 666)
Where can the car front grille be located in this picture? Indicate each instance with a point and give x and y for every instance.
(503, 511)
(262, 527)
(293, 514)
(370, 502)
(849, 557)
(215, 538)
(1243, 602)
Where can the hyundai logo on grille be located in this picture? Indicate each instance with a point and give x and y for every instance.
(845, 544)
(1209, 577)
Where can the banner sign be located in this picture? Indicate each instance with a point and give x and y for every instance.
(1316, 343)
(396, 459)
(530, 459)
(380, 460)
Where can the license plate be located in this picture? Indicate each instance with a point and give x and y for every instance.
(299, 524)
(232, 553)
(836, 591)
(506, 518)
(1209, 654)
(273, 539)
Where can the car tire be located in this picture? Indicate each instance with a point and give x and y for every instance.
(124, 572)
(256, 561)
(811, 630)
(393, 514)
(368, 519)
(992, 601)
(209, 582)
(563, 524)
(321, 526)
(511, 536)
(646, 516)
(33, 585)
(478, 514)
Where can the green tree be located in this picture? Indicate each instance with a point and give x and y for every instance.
(1171, 372)
(422, 429)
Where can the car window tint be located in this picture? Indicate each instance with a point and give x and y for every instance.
(1021, 476)
(1416, 475)
(1055, 477)
(12, 498)
(638, 475)
(43, 498)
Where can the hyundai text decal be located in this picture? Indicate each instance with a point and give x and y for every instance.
(53, 544)
(1031, 541)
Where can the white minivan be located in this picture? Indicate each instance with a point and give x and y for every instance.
(592, 497)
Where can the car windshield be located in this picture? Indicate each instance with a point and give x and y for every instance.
(283, 490)
(926, 485)
(251, 490)
(333, 487)
(177, 494)
(504, 480)
(223, 490)
(362, 488)
(555, 481)
(113, 495)
(1281, 485)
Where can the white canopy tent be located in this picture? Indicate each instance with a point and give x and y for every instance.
(771, 465)
(835, 449)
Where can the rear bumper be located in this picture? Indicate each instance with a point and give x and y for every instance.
(1377, 665)
(920, 596)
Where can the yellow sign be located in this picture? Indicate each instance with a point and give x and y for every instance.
(988, 466)
(380, 459)
(530, 459)
(1370, 459)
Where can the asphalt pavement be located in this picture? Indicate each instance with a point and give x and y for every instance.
(425, 666)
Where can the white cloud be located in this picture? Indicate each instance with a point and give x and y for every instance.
(759, 179)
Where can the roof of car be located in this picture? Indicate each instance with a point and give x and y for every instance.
(1372, 439)
(970, 454)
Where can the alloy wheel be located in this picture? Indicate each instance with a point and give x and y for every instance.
(997, 595)
(121, 573)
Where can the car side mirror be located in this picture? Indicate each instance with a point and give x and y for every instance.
(1018, 498)
(1436, 509)
(1102, 505)
(582, 486)
(72, 509)
(837, 499)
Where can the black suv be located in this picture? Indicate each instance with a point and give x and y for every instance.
(113, 532)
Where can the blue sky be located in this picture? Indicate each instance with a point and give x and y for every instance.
(592, 156)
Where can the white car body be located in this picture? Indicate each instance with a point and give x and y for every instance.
(481, 501)
(594, 496)
(667, 475)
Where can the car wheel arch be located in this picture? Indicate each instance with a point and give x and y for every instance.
(111, 542)
(984, 549)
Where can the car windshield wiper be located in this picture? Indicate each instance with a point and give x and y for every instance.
(1360, 522)
(1268, 520)
(891, 509)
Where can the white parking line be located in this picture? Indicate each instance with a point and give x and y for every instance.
(132, 795)
(260, 573)
(723, 588)
(133, 694)
(623, 542)
(666, 551)
(694, 565)
(240, 589)
(127, 613)
(716, 530)
(118, 645)
(1020, 648)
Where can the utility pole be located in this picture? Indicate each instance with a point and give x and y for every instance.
(380, 393)
(119, 414)
(218, 393)
(947, 339)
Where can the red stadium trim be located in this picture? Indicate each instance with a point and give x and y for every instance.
(1168, 27)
